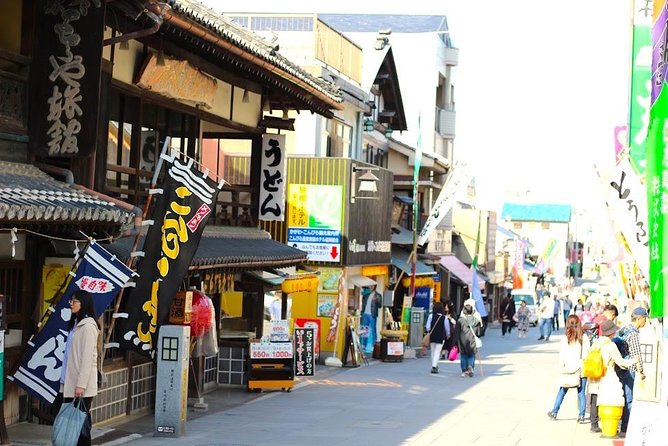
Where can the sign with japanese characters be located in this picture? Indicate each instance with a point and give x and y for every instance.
(179, 214)
(65, 77)
(272, 178)
(39, 372)
(627, 201)
(304, 352)
(315, 220)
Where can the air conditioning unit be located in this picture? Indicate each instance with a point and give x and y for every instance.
(446, 122)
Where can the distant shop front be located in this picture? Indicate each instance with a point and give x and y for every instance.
(341, 219)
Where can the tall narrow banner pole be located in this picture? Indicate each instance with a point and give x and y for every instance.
(130, 261)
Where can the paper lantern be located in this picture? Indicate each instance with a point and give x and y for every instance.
(202, 315)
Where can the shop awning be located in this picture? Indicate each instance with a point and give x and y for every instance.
(401, 236)
(360, 281)
(457, 268)
(30, 196)
(400, 260)
(230, 248)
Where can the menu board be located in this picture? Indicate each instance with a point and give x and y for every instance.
(304, 351)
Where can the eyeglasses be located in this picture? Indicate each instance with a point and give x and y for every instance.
(73, 301)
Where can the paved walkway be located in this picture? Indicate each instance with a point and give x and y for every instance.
(403, 404)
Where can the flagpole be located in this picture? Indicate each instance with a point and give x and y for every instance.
(416, 204)
(130, 261)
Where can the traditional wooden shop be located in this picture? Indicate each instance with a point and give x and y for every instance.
(338, 211)
(105, 86)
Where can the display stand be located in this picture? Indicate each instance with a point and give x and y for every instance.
(270, 366)
(353, 347)
(271, 360)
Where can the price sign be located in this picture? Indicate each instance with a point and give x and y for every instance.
(271, 350)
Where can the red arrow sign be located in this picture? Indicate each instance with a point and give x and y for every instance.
(334, 254)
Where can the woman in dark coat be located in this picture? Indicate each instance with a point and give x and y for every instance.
(465, 336)
(438, 327)
(506, 315)
(450, 341)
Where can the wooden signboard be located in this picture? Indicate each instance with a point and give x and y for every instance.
(65, 77)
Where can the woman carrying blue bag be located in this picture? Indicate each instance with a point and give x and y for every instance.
(78, 379)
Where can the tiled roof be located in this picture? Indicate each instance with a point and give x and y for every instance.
(28, 195)
(230, 247)
(557, 213)
(251, 42)
(373, 22)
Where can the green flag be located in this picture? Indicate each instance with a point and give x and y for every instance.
(657, 201)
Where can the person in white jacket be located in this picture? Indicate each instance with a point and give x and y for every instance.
(78, 377)
(574, 348)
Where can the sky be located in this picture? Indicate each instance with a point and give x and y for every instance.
(539, 88)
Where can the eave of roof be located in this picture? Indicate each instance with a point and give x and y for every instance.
(247, 44)
(224, 247)
(30, 196)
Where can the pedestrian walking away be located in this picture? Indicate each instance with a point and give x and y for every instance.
(546, 313)
(507, 313)
(557, 312)
(629, 346)
(573, 349)
(606, 390)
(438, 333)
(78, 377)
(466, 330)
(566, 307)
(522, 315)
(449, 309)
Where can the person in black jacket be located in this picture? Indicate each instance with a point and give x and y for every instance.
(506, 315)
(465, 335)
(438, 333)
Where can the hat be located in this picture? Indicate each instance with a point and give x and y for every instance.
(469, 302)
(639, 311)
(587, 305)
(608, 328)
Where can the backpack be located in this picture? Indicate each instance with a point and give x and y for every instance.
(593, 366)
(620, 340)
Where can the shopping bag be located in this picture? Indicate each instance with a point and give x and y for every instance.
(68, 424)
(454, 353)
(478, 342)
(425, 340)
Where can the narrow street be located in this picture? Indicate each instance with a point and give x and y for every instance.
(402, 403)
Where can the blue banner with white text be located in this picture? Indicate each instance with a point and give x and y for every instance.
(99, 273)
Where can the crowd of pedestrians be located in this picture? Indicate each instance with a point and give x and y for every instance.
(594, 327)
(589, 327)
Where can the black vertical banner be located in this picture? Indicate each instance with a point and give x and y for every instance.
(304, 352)
(180, 214)
(65, 77)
